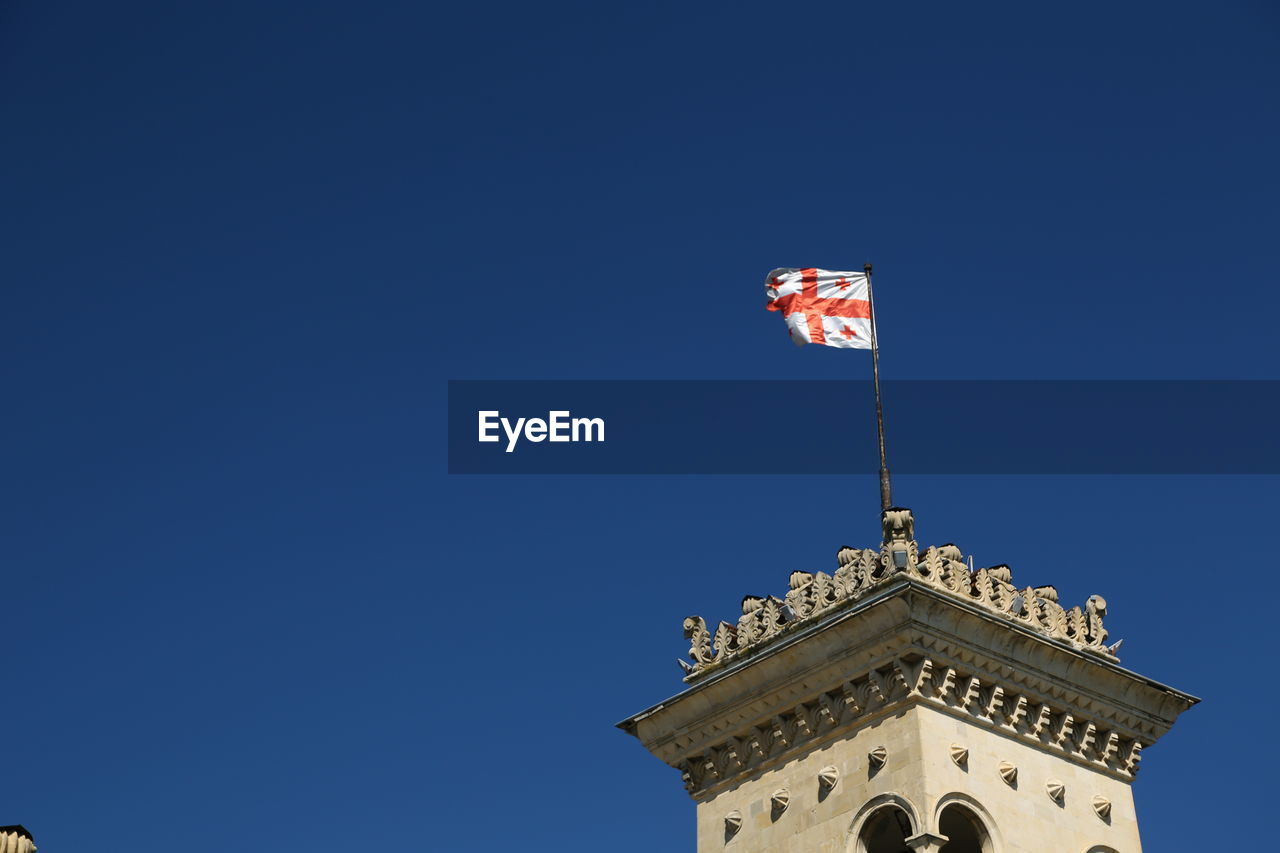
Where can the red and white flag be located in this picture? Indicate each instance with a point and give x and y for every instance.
(822, 306)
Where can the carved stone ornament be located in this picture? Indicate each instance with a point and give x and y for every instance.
(959, 754)
(1102, 806)
(939, 683)
(15, 839)
(779, 801)
(732, 823)
(827, 778)
(1056, 790)
(813, 594)
(925, 842)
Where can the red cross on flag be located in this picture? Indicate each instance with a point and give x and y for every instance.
(822, 306)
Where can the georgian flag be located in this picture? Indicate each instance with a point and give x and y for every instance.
(822, 306)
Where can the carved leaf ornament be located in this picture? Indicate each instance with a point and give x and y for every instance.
(811, 594)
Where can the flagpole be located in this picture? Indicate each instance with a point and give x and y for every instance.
(886, 491)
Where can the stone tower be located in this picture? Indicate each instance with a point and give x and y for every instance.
(908, 703)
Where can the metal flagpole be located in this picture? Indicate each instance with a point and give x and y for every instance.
(886, 492)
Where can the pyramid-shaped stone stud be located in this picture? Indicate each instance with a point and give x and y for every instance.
(732, 823)
(877, 757)
(959, 754)
(827, 779)
(1102, 806)
(1008, 772)
(1056, 790)
(779, 801)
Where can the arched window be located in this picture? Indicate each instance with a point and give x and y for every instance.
(964, 832)
(886, 831)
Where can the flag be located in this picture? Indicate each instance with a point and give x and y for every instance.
(822, 306)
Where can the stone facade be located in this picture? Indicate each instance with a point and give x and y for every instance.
(920, 775)
(904, 696)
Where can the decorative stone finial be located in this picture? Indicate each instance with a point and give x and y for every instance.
(1008, 772)
(877, 757)
(899, 524)
(959, 754)
(827, 779)
(899, 551)
(1096, 609)
(1056, 790)
(695, 631)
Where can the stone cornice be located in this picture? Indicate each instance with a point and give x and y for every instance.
(906, 643)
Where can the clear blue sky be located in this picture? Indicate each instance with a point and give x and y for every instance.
(246, 243)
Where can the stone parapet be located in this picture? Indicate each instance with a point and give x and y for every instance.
(814, 595)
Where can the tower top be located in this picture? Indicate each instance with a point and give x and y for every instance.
(923, 684)
(811, 596)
